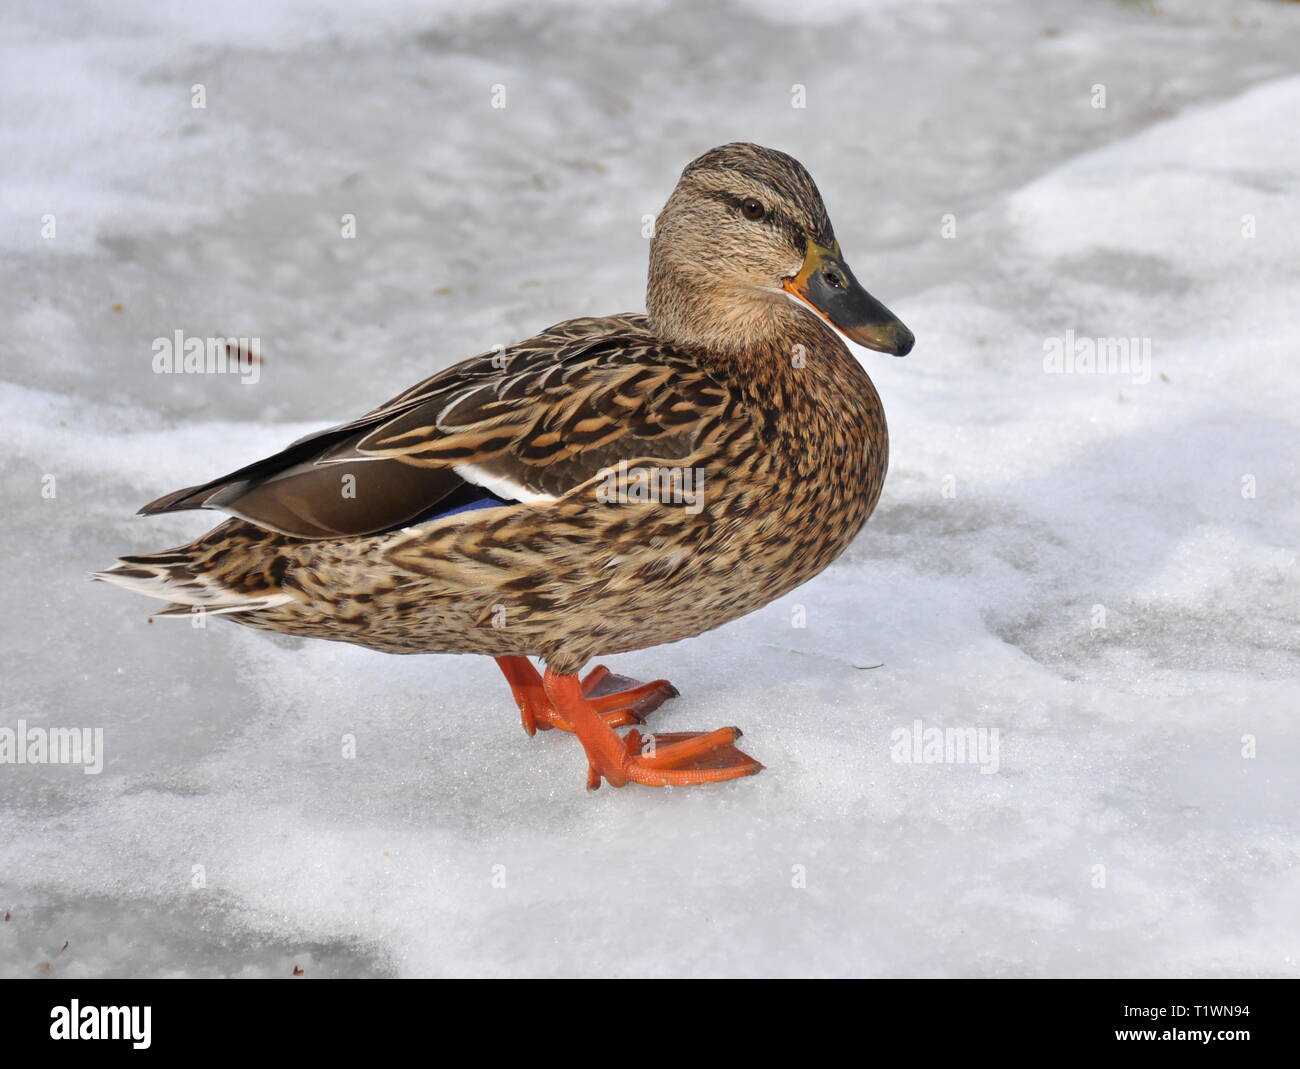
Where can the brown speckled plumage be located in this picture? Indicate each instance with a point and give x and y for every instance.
(726, 376)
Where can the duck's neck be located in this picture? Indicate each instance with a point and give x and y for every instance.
(797, 379)
(688, 308)
(716, 320)
(762, 342)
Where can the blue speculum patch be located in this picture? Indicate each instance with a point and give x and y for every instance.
(466, 499)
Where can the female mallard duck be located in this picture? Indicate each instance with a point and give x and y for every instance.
(607, 485)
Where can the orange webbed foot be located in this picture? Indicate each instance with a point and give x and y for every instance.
(670, 760)
(620, 701)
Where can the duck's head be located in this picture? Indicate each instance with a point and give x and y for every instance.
(744, 231)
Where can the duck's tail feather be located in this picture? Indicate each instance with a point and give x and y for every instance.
(171, 577)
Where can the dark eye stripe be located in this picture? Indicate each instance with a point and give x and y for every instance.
(729, 199)
(775, 216)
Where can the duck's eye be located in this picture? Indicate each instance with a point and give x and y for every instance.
(752, 209)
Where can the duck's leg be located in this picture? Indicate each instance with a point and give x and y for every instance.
(619, 708)
(680, 759)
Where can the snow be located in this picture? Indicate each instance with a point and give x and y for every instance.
(1023, 507)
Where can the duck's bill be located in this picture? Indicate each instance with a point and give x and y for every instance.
(828, 287)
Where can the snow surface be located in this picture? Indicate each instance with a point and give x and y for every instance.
(1018, 502)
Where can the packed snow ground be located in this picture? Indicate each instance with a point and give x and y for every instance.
(1102, 567)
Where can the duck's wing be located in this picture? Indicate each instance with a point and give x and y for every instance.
(529, 423)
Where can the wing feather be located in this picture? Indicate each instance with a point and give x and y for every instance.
(528, 424)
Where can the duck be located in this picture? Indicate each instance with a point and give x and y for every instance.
(611, 484)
